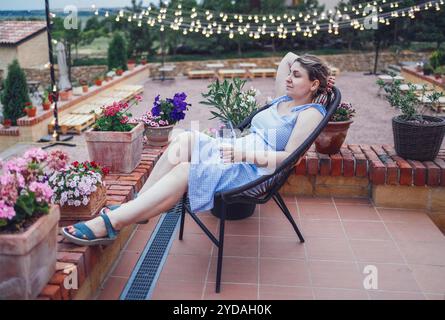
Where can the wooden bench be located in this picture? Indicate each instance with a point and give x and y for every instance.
(201, 74)
(73, 123)
(232, 73)
(439, 107)
(262, 72)
(91, 109)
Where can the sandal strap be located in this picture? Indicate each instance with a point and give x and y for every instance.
(110, 230)
(81, 231)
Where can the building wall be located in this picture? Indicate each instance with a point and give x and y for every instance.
(7, 55)
(33, 53)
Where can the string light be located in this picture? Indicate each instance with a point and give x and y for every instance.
(280, 26)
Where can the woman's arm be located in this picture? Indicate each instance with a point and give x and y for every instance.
(307, 121)
(282, 73)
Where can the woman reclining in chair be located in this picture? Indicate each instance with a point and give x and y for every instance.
(275, 133)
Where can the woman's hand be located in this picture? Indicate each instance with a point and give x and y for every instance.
(229, 154)
(331, 83)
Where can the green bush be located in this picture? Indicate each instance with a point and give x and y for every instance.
(117, 53)
(437, 59)
(440, 70)
(15, 93)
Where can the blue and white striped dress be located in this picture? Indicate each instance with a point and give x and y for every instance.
(269, 131)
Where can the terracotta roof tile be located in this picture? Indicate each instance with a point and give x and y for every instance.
(12, 32)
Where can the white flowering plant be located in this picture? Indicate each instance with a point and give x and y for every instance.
(232, 103)
(74, 185)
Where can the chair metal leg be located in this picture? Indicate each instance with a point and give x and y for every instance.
(280, 202)
(220, 246)
(181, 228)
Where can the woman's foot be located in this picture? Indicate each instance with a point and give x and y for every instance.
(96, 225)
(92, 232)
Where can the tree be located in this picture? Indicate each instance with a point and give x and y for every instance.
(15, 94)
(117, 53)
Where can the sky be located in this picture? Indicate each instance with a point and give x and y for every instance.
(57, 4)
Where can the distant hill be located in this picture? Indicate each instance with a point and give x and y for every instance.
(40, 14)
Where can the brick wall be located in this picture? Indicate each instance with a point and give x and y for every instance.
(92, 263)
(345, 62)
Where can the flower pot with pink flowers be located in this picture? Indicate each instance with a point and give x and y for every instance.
(114, 141)
(160, 120)
(332, 137)
(79, 189)
(28, 223)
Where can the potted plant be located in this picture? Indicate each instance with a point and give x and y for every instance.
(7, 123)
(46, 100)
(30, 109)
(131, 64)
(416, 136)
(160, 120)
(232, 104)
(230, 101)
(98, 81)
(439, 73)
(143, 61)
(79, 190)
(427, 69)
(28, 224)
(119, 72)
(66, 95)
(333, 135)
(113, 141)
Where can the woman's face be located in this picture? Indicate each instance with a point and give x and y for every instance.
(298, 85)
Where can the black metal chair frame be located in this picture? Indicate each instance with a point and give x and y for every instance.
(262, 189)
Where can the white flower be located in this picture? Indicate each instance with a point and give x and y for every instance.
(77, 203)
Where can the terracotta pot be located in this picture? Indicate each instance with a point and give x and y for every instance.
(28, 259)
(332, 137)
(84, 88)
(158, 136)
(98, 83)
(97, 201)
(46, 105)
(31, 112)
(119, 151)
(65, 95)
(119, 72)
(7, 123)
(143, 62)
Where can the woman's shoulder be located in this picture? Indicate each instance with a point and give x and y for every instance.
(307, 106)
(279, 99)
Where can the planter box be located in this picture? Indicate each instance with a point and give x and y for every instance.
(28, 259)
(97, 201)
(77, 91)
(119, 151)
(66, 95)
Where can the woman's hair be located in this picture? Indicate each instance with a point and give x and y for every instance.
(317, 70)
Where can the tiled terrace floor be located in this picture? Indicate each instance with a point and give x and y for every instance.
(264, 260)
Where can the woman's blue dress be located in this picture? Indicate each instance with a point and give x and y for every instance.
(269, 131)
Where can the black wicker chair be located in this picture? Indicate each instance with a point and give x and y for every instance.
(262, 189)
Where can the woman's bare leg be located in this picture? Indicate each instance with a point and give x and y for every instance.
(163, 195)
(179, 150)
